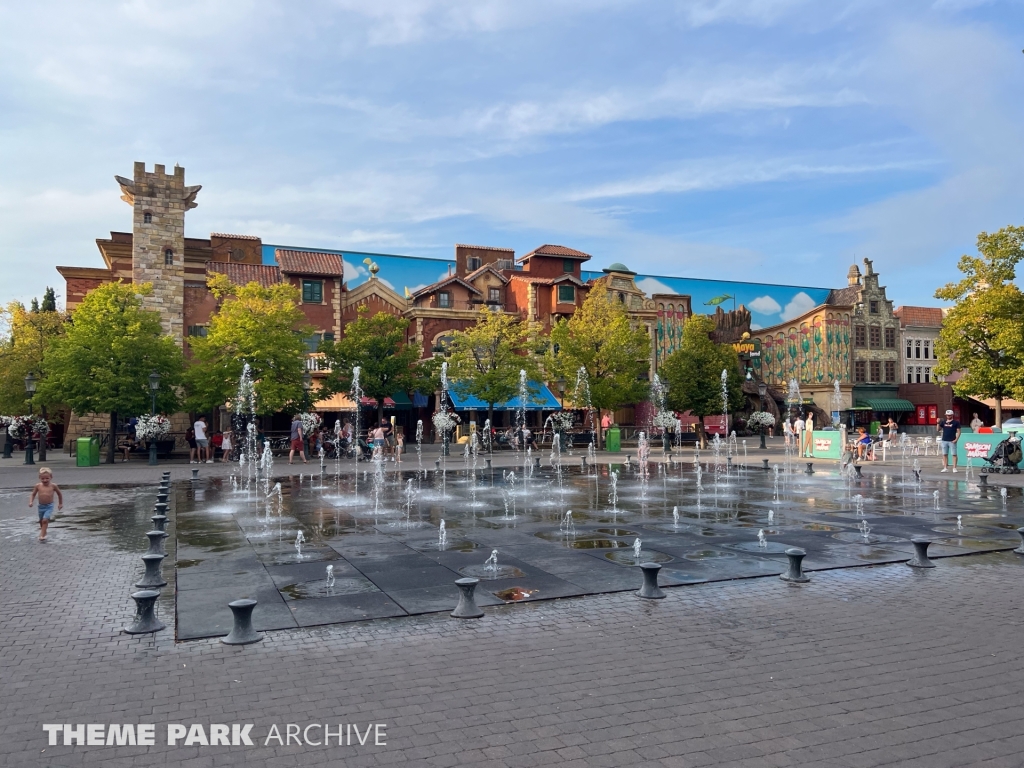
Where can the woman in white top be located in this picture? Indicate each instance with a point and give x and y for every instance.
(787, 430)
(225, 447)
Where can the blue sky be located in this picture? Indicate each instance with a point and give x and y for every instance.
(757, 140)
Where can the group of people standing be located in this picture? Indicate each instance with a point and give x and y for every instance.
(799, 433)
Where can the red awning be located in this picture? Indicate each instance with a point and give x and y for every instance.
(369, 402)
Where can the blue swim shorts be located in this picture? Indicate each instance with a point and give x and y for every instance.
(45, 511)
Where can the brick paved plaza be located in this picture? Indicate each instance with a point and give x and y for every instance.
(881, 665)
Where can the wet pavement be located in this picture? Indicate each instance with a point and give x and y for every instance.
(863, 666)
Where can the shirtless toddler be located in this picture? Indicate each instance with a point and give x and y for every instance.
(45, 490)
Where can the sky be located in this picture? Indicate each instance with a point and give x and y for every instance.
(773, 141)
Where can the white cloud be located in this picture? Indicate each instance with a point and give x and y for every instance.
(765, 305)
(650, 286)
(797, 306)
(353, 271)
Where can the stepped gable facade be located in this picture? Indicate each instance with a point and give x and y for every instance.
(851, 338)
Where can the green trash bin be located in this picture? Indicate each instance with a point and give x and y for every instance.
(613, 440)
(87, 452)
(875, 426)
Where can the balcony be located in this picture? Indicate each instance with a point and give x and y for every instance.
(316, 363)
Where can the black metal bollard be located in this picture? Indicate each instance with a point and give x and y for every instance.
(437, 463)
(917, 474)
(796, 566)
(195, 475)
(156, 542)
(982, 478)
(728, 462)
(145, 613)
(856, 470)
(920, 558)
(650, 590)
(1020, 550)
(488, 463)
(583, 459)
(467, 607)
(810, 468)
(536, 462)
(160, 508)
(161, 498)
(159, 522)
(153, 577)
(764, 464)
(242, 633)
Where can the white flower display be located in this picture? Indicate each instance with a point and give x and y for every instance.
(152, 427)
(761, 420)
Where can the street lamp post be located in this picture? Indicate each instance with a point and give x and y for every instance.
(762, 389)
(154, 385)
(30, 388)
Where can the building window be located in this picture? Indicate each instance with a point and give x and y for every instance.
(927, 350)
(890, 371)
(860, 370)
(875, 337)
(168, 257)
(859, 336)
(876, 370)
(312, 291)
(917, 375)
(444, 299)
(199, 331)
(622, 297)
(910, 350)
(494, 295)
(873, 307)
(328, 337)
(473, 263)
(917, 349)
(910, 374)
(890, 338)
(927, 375)
(569, 266)
(147, 218)
(567, 294)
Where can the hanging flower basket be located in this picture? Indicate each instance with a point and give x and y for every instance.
(152, 427)
(23, 427)
(665, 420)
(310, 423)
(760, 420)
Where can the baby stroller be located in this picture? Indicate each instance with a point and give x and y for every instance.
(1005, 457)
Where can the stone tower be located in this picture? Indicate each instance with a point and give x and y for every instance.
(159, 202)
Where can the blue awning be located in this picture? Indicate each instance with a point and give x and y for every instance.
(541, 400)
(419, 400)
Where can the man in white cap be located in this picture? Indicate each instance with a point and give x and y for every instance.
(950, 429)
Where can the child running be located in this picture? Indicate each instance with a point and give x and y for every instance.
(45, 490)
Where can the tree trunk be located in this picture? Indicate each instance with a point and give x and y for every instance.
(380, 411)
(702, 435)
(42, 440)
(999, 412)
(112, 440)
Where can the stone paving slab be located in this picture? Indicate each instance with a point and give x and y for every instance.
(860, 667)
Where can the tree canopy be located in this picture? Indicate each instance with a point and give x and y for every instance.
(378, 346)
(103, 362)
(24, 339)
(982, 335)
(263, 327)
(693, 373)
(484, 360)
(600, 338)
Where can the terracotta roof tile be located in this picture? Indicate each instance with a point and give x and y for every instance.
(920, 317)
(441, 283)
(485, 248)
(556, 250)
(309, 262)
(844, 297)
(243, 274)
(234, 237)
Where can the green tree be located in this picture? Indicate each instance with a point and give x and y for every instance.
(378, 346)
(600, 338)
(49, 301)
(693, 373)
(103, 362)
(982, 335)
(484, 360)
(263, 327)
(23, 342)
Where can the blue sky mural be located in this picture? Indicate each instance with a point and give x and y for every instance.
(768, 303)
